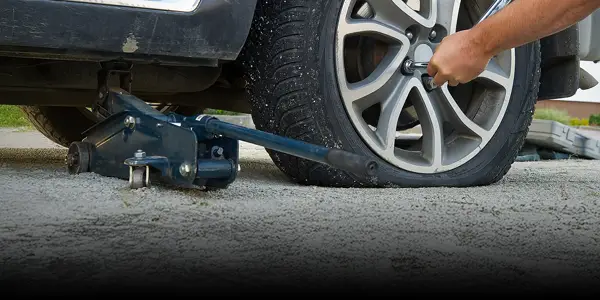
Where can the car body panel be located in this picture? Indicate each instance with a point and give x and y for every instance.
(215, 30)
(170, 5)
(205, 32)
(589, 38)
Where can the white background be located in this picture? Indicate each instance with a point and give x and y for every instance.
(591, 95)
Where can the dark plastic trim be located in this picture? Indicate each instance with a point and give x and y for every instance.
(216, 30)
(560, 65)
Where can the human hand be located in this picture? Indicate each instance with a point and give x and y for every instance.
(458, 59)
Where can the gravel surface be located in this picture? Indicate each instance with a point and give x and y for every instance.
(535, 230)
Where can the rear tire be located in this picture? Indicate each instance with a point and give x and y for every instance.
(290, 60)
(65, 125)
(62, 125)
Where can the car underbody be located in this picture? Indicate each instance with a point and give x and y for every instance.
(50, 45)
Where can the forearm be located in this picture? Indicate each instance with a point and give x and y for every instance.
(524, 21)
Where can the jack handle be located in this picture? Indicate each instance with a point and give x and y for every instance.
(339, 159)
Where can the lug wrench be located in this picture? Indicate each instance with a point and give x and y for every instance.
(410, 65)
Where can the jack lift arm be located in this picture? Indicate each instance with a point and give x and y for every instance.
(136, 142)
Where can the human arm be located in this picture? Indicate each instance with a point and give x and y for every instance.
(461, 57)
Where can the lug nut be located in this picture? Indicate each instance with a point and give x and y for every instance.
(410, 35)
(407, 67)
(432, 35)
(429, 84)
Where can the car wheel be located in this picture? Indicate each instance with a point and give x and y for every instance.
(329, 72)
(65, 125)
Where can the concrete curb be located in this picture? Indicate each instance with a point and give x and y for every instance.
(553, 140)
(592, 128)
(16, 129)
(561, 137)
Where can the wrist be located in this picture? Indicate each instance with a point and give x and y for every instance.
(483, 41)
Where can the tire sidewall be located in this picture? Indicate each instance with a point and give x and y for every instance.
(517, 117)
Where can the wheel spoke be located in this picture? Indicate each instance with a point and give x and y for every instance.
(375, 81)
(431, 120)
(400, 14)
(390, 113)
(454, 115)
(368, 27)
(495, 74)
(447, 14)
(352, 92)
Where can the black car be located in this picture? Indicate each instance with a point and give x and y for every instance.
(327, 72)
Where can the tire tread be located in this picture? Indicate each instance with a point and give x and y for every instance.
(55, 125)
(290, 114)
(286, 99)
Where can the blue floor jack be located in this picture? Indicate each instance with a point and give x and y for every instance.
(136, 142)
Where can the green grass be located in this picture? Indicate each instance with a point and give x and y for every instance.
(560, 116)
(12, 116)
(220, 112)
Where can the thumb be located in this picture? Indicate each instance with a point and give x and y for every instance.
(440, 79)
(432, 67)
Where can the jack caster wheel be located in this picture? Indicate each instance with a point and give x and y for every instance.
(78, 158)
(139, 177)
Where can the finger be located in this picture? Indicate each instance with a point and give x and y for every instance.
(467, 80)
(431, 69)
(440, 79)
(453, 82)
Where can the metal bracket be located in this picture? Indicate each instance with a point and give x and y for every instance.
(123, 69)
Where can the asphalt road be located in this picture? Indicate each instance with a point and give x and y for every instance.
(536, 230)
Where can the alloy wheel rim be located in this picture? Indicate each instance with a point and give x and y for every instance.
(456, 123)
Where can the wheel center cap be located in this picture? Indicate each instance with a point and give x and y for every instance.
(423, 53)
